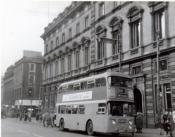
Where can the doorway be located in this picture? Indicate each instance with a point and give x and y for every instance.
(138, 100)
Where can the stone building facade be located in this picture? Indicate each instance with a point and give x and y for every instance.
(8, 87)
(88, 38)
(28, 77)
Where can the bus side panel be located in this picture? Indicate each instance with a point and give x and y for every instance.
(90, 112)
(82, 122)
(99, 93)
(100, 123)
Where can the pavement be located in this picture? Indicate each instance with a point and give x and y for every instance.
(146, 132)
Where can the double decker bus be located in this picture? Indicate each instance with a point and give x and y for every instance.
(101, 103)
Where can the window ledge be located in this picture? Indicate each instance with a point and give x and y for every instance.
(134, 50)
(115, 56)
(137, 75)
(160, 43)
(99, 62)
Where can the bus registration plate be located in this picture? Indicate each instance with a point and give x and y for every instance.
(122, 120)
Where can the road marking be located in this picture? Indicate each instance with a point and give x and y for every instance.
(36, 135)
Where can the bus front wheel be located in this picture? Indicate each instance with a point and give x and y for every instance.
(89, 128)
(61, 125)
(132, 134)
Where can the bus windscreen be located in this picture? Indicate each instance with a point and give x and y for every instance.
(121, 108)
(121, 81)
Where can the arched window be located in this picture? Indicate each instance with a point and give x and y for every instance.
(116, 25)
(77, 54)
(57, 41)
(135, 17)
(63, 38)
(158, 18)
(51, 45)
(46, 48)
(101, 9)
(86, 42)
(100, 32)
(62, 62)
(69, 60)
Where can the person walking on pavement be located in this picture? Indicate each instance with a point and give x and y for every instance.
(52, 115)
(167, 122)
(45, 118)
(139, 122)
(21, 115)
(25, 116)
(29, 116)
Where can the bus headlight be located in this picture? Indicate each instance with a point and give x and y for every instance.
(113, 122)
(130, 127)
(130, 122)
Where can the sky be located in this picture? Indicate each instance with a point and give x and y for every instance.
(22, 23)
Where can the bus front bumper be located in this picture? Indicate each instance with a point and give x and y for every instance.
(115, 127)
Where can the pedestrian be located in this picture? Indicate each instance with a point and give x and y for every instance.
(53, 117)
(44, 118)
(139, 122)
(40, 116)
(25, 116)
(20, 115)
(49, 119)
(29, 116)
(37, 116)
(167, 122)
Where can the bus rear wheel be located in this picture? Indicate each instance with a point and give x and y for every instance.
(61, 125)
(89, 128)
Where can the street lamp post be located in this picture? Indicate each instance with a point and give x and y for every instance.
(160, 95)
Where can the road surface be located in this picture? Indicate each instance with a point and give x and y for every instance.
(12, 127)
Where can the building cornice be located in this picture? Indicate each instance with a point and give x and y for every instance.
(62, 17)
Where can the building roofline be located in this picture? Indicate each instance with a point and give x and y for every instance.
(61, 17)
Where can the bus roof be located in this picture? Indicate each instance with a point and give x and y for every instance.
(106, 74)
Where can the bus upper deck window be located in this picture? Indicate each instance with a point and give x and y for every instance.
(91, 84)
(100, 82)
(70, 87)
(83, 85)
(77, 86)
